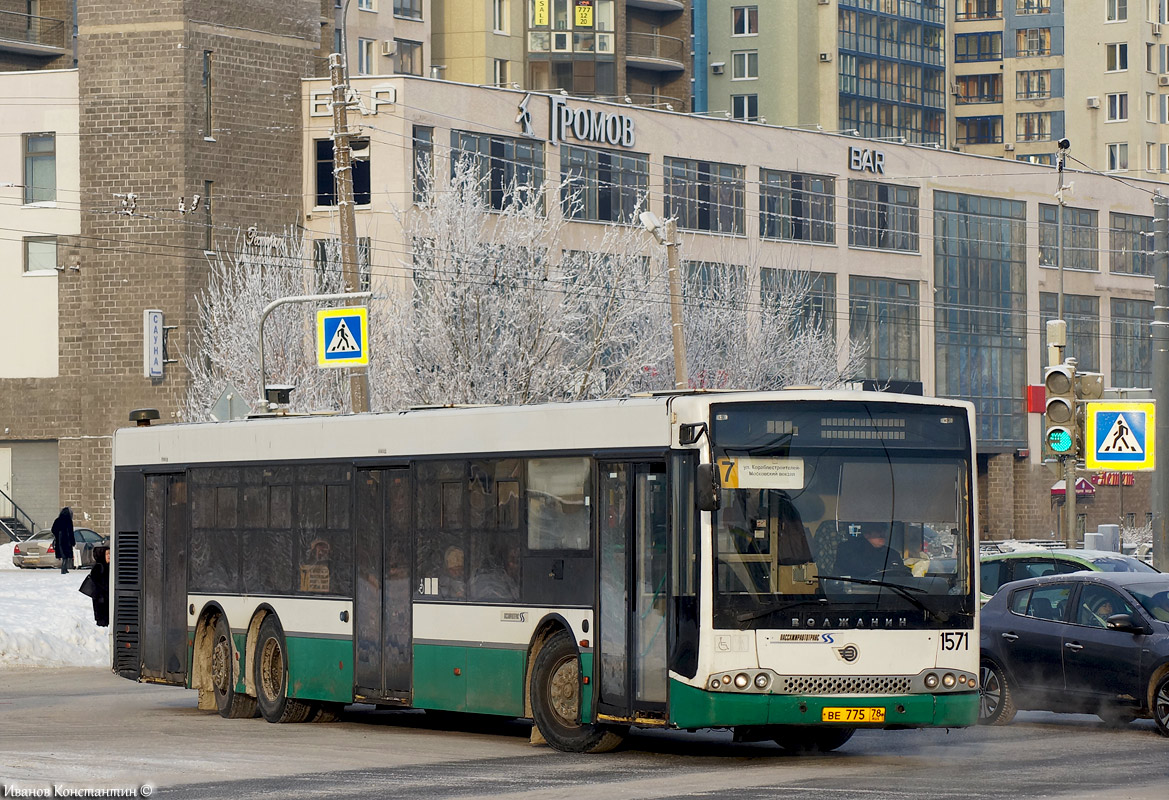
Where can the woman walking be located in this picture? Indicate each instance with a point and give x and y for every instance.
(63, 540)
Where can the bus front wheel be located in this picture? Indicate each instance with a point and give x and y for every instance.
(555, 696)
(271, 675)
(230, 703)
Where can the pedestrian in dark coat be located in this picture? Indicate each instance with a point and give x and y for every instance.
(63, 540)
(97, 585)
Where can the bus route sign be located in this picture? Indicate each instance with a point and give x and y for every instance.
(1119, 435)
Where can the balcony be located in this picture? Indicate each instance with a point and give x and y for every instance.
(655, 52)
(33, 36)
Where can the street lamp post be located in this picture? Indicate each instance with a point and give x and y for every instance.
(666, 233)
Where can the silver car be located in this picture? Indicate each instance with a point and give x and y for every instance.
(37, 550)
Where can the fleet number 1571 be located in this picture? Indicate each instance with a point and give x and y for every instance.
(956, 641)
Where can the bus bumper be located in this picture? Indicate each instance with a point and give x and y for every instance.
(692, 708)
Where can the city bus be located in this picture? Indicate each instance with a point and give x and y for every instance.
(677, 561)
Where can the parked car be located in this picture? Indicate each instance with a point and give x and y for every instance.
(1088, 642)
(37, 550)
(1000, 568)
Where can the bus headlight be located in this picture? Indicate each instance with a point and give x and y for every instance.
(931, 681)
(948, 680)
(742, 680)
(761, 681)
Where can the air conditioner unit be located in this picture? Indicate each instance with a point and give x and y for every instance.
(389, 47)
(718, 67)
(825, 2)
(825, 57)
(1009, 146)
(1163, 80)
(1093, 102)
(1156, 28)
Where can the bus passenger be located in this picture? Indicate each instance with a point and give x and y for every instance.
(451, 584)
(869, 555)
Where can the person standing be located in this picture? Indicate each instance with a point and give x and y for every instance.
(63, 540)
(97, 585)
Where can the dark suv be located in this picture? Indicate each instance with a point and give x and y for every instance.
(1088, 642)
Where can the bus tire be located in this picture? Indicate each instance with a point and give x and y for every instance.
(230, 703)
(555, 697)
(806, 738)
(271, 675)
(996, 704)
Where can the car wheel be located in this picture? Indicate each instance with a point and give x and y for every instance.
(555, 696)
(996, 706)
(1160, 705)
(805, 738)
(230, 703)
(271, 675)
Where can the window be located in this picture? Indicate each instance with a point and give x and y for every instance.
(499, 15)
(1117, 157)
(979, 130)
(978, 47)
(1116, 57)
(602, 185)
(423, 162)
(410, 9)
(327, 259)
(1098, 603)
(882, 216)
(1033, 84)
(745, 107)
(1033, 42)
(978, 9)
(1082, 314)
(1132, 343)
(1080, 237)
(558, 492)
(408, 57)
(705, 195)
(884, 313)
(208, 130)
(40, 253)
(744, 20)
(326, 184)
(1150, 57)
(366, 5)
(500, 72)
(366, 56)
(1130, 246)
(797, 207)
(1118, 107)
(1150, 113)
(1033, 127)
(819, 304)
(1116, 10)
(745, 65)
(979, 89)
(40, 167)
(208, 218)
(505, 164)
(1032, 7)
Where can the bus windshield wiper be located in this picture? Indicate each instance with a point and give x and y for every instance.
(904, 591)
(747, 616)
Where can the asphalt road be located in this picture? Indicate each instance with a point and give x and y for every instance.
(88, 729)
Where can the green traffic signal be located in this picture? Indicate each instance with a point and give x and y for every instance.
(1059, 440)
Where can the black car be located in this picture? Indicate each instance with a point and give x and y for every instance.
(1088, 642)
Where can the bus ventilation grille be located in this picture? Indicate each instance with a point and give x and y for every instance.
(127, 597)
(834, 684)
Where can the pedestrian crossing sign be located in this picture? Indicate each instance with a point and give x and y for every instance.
(342, 337)
(1120, 436)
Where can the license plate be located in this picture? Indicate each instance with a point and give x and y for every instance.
(853, 714)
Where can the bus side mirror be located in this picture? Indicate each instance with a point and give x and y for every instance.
(707, 492)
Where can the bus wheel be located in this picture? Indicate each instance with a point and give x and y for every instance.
(996, 706)
(805, 738)
(231, 704)
(272, 677)
(555, 696)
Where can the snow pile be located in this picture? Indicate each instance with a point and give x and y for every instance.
(45, 621)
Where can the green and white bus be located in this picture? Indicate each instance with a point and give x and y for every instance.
(684, 561)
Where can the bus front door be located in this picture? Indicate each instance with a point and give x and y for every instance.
(382, 595)
(632, 602)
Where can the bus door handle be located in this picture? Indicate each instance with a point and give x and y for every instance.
(557, 573)
(1073, 646)
(1010, 637)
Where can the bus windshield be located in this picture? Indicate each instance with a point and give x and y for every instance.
(856, 517)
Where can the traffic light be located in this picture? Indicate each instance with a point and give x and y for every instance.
(1060, 431)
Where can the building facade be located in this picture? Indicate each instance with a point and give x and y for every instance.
(940, 261)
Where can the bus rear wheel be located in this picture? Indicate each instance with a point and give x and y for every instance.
(805, 738)
(555, 696)
(271, 675)
(230, 703)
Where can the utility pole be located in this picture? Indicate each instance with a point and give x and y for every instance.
(343, 184)
(1160, 488)
(1067, 461)
(666, 233)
